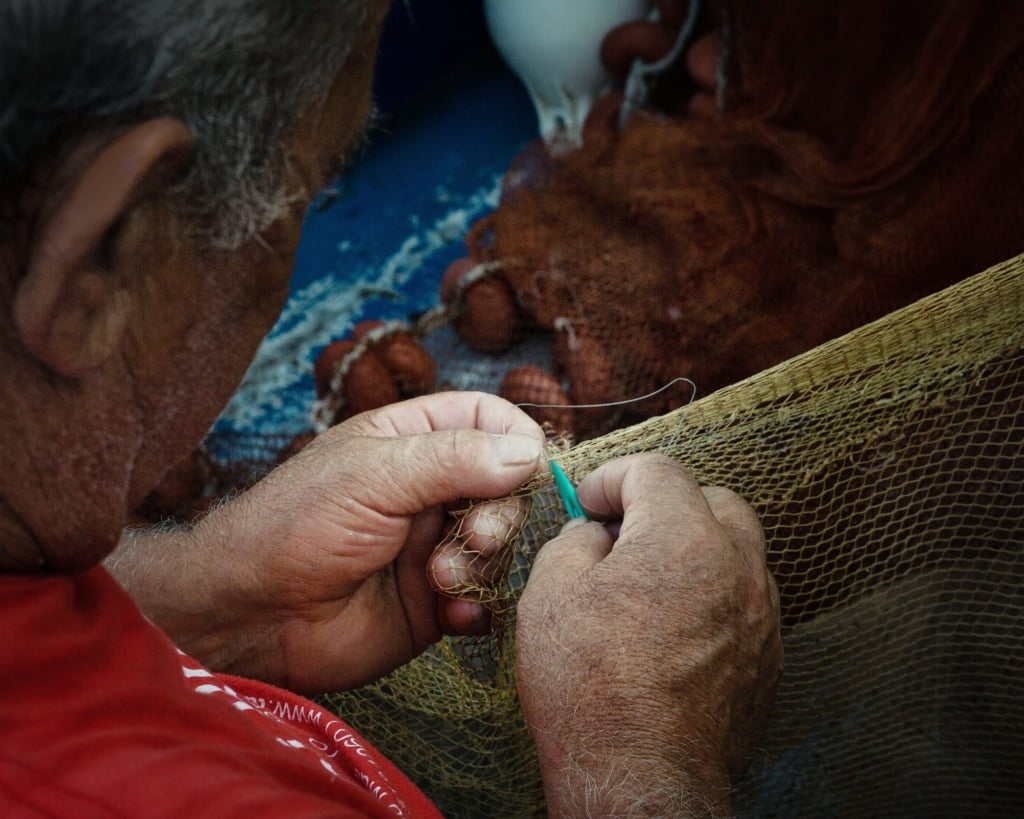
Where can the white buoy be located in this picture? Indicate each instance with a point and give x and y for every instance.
(554, 47)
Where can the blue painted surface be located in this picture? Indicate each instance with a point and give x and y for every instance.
(377, 245)
(451, 146)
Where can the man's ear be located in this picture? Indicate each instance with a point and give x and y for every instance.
(71, 308)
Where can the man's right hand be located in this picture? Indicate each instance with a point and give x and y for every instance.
(646, 665)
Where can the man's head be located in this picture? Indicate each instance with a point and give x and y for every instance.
(156, 157)
(237, 73)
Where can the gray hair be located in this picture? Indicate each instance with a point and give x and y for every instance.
(237, 72)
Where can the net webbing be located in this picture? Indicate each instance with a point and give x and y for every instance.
(888, 469)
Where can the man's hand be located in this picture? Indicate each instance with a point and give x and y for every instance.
(646, 665)
(320, 577)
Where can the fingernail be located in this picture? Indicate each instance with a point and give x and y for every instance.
(479, 620)
(515, 450)
(443, 575)
(572, 523)
(477, 613)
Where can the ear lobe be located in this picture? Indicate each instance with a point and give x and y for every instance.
(71, 307)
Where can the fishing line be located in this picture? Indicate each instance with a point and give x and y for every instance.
(673, 382)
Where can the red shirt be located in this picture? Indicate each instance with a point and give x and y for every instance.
(100, 715)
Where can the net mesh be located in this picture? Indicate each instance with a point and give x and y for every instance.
(887, 467)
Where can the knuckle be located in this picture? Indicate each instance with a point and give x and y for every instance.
(448, 452)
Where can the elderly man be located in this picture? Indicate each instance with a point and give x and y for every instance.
(156, 157)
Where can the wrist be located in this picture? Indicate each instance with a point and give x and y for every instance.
(635, 776)
(632, 785)
(197, 599)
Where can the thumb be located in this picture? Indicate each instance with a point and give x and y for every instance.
(417, 472)
(578, 548)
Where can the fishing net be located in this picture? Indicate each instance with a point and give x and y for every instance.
(888, 469)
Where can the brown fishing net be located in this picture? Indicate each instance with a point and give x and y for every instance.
(888, 469)
(870, 154)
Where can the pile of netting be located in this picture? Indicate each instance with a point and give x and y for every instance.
(888, 469)
(867, 154)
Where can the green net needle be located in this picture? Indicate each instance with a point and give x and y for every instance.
(567, 492)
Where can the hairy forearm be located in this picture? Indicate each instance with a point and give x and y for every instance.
(152, 564)
(621, 782)
(185, 583)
